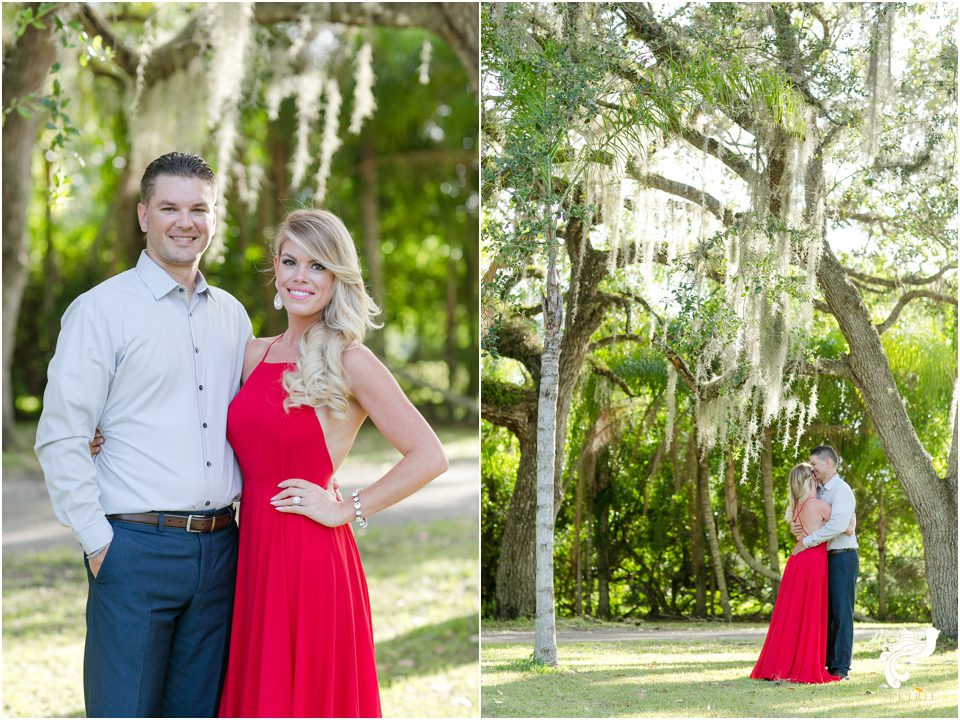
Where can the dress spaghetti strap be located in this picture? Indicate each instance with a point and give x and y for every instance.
(796, 515)
(272, 343)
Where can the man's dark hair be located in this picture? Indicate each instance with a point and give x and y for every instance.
(175, 163)
(825, 451)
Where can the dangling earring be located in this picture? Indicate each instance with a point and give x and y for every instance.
(277, 302)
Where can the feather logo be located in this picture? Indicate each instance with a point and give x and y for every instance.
(909, 649)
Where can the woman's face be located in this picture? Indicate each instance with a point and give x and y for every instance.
(305, 286)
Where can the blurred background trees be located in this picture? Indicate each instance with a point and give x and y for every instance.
(366, 109)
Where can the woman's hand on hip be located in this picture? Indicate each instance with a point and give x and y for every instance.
(315, 502)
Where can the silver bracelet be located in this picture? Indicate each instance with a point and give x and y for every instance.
(361, 520)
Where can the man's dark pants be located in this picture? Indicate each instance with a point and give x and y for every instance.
(158, 622)
(842, 582)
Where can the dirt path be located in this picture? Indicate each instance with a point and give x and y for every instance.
(503, 637)
(29, 524)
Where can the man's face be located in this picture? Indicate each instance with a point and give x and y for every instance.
(179, 220)
(823, 468)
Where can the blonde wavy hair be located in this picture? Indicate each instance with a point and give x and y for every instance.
(801, 483)
(318, 380)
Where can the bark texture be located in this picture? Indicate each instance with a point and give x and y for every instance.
(545, 631)
(26, 65)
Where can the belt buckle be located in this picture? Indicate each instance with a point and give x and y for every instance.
(190, 519)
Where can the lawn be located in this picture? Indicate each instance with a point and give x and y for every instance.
(423, 589)
(423, 592)
(701, 678)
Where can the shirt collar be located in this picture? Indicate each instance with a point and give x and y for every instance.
(829, 482)
(159, 282)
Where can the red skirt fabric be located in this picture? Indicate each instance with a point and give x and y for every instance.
(301, 643)
(796, 644)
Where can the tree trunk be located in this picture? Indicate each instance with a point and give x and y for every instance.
(731, 503)
(512, 593)
(545, 635)
(696, 528)
(710, 529)
(471, 292)
(769, 509)
(46, 318)
(575, 551)
(881, 556)
(933, 500)
(601, 505)
(26, 65)
(516, 566)
(370, 222)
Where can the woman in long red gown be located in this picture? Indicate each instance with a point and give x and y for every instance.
(302, 639)
(796, 644)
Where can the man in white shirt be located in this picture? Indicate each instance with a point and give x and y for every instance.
(153, 357)
(842, 557)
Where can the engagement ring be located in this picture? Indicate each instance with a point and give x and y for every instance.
(297, 499)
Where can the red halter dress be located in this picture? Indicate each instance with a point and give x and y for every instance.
(301, 643)
(796, 644)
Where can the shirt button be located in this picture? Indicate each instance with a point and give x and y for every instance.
(197, 349)
(207, 502)
(204, 424)
(209, 463)
(189, 314)
(180, 289)
(201, 387)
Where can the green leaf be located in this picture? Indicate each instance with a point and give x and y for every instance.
(48, 103)
(51, 126)
(24, 112)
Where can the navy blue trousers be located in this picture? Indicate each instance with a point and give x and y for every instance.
(158, 622)
(842, 583)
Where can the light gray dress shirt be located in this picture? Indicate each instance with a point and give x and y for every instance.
(156, 373)
(840, 497)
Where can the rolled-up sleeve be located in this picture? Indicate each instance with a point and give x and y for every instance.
(78, 381)
(844, 505)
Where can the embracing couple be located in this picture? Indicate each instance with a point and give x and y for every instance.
(811, 632)
(187, 400)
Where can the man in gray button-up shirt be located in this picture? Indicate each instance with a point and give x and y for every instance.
(843, 563)
(153, 357)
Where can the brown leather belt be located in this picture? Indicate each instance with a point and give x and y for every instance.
(190, 523)
(837, 552)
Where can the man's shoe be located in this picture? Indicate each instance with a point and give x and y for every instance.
(837, 673)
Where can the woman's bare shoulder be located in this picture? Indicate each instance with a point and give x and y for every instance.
(253, 353)
(360, 362)
(817, 508)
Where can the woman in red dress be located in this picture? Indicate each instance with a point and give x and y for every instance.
(796, 644)
(302, 641)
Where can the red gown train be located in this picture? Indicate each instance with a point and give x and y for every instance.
(796, 644)
(301, 644)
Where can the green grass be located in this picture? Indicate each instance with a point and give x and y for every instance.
(586, 622)
(699, 679)
(423, 591)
